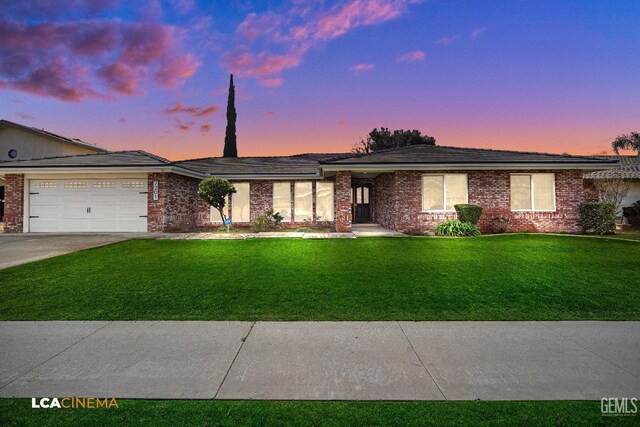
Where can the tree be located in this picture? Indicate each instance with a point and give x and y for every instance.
(612, 190)
(230, 140)
(627, 142)
(383, 139)
(214, 191)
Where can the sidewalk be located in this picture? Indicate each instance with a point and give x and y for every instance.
(321, 360)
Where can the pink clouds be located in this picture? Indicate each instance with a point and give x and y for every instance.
(90, 59)
(447, 40)
(285, 37)
(193, 111)
(359, 68)
(477, 32)
(415, 56)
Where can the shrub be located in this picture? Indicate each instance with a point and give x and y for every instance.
(468, 213)
(499, 224)
(632, 213)
(598, 217)
(261, 223)
(304, 230)
(456, 228)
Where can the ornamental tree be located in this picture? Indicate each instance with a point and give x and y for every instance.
(214, 192)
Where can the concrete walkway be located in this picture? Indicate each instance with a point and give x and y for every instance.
(321, 360)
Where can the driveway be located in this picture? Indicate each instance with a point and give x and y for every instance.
(16, 249)
(321, 360)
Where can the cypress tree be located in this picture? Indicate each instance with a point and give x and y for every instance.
(230, 142)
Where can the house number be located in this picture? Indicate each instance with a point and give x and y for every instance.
(155, 190)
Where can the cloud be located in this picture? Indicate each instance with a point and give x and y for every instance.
(359, 68)
(205, 128)
(193, 111)
(272, 82)
(25, 116)
(269, 113)
(415, 56)
(477, 32)
(84, 59)
(447, 40)
(275, 41)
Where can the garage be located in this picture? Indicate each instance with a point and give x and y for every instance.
(88, 205)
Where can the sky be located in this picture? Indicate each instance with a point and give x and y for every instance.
(317, 76)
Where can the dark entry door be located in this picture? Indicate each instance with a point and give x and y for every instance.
(362, 203)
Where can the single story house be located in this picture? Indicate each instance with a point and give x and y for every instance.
(407, 189)
(20, 142)
(628, 169)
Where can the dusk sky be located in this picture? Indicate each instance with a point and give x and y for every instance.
(316, 76)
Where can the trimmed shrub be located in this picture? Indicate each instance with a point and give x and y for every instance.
(499, 224)
(632, 213)
(456, 228)
(261, 223)
(468, 213)
(598, 217)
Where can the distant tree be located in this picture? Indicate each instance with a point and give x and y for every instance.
(627, 142)
(612, 190)
(384, 139)
(214, 192)
(230, 140)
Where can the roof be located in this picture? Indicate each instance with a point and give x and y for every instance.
(299, 164)
(51, 135)
(430, 154)
(108, 159)
(628, 168)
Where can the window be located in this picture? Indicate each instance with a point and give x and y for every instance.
(104, 184)
(75, 185)
(303, 201)
(442, 192)
(134, 184)
(533, 192)
(215, 215)
(47, 185)
(282, 199)
(240, 211)
(324, 201)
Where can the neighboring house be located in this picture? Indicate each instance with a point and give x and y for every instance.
(628, 169)
(407, 189)
(19, 142)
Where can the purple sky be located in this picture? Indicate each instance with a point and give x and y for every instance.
(316, 76)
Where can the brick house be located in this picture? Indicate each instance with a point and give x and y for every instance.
(406, 189)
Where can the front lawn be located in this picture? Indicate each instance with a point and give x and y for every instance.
(18, 412)
(508, 277)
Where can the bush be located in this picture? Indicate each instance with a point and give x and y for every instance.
(456, 228)
(468, 213)
(304, 230)
(261, 223)
(598, 217)
(632, 213)
(499, 224)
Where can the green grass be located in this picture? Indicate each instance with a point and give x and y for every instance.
(508, 277)
(18, 412)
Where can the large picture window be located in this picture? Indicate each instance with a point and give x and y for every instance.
(324, 201)
(282, 199)
(533, 192)
(240, 211)
(442, 192)
(303, 201)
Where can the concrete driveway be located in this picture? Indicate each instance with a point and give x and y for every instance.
(321, 360)
(16, 249)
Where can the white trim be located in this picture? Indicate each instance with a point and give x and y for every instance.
(531, 191)
(444, 191)
(99, 170)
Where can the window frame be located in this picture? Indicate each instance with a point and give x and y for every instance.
(444, 192)
(233, 201)
(295, 207)
(532, 192)
(291, 201)
(333, 201)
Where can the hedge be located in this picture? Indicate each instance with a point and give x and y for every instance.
(468, 213)
(598, 217)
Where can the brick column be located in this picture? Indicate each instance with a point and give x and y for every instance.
(343, 201)
(156, 208)
(13, 203)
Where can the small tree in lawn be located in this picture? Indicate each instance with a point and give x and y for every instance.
(214, 191)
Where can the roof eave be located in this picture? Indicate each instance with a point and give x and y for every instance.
(390, 167)
(61, 170)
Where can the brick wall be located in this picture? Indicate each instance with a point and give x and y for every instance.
(13, 203)
(343, 201)
(491, 190)
(384, 199)
(177, 206)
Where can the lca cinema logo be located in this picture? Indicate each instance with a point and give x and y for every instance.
(619, 406)
(74, 403)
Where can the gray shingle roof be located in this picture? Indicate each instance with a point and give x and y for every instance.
(108, 159)
(428, 154)
(51, 135)
(629, 168)
(300, 164)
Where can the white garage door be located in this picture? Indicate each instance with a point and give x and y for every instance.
(76, 205)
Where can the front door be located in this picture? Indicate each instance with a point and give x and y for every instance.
(362, 203)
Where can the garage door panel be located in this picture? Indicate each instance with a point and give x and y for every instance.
(61, 205)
